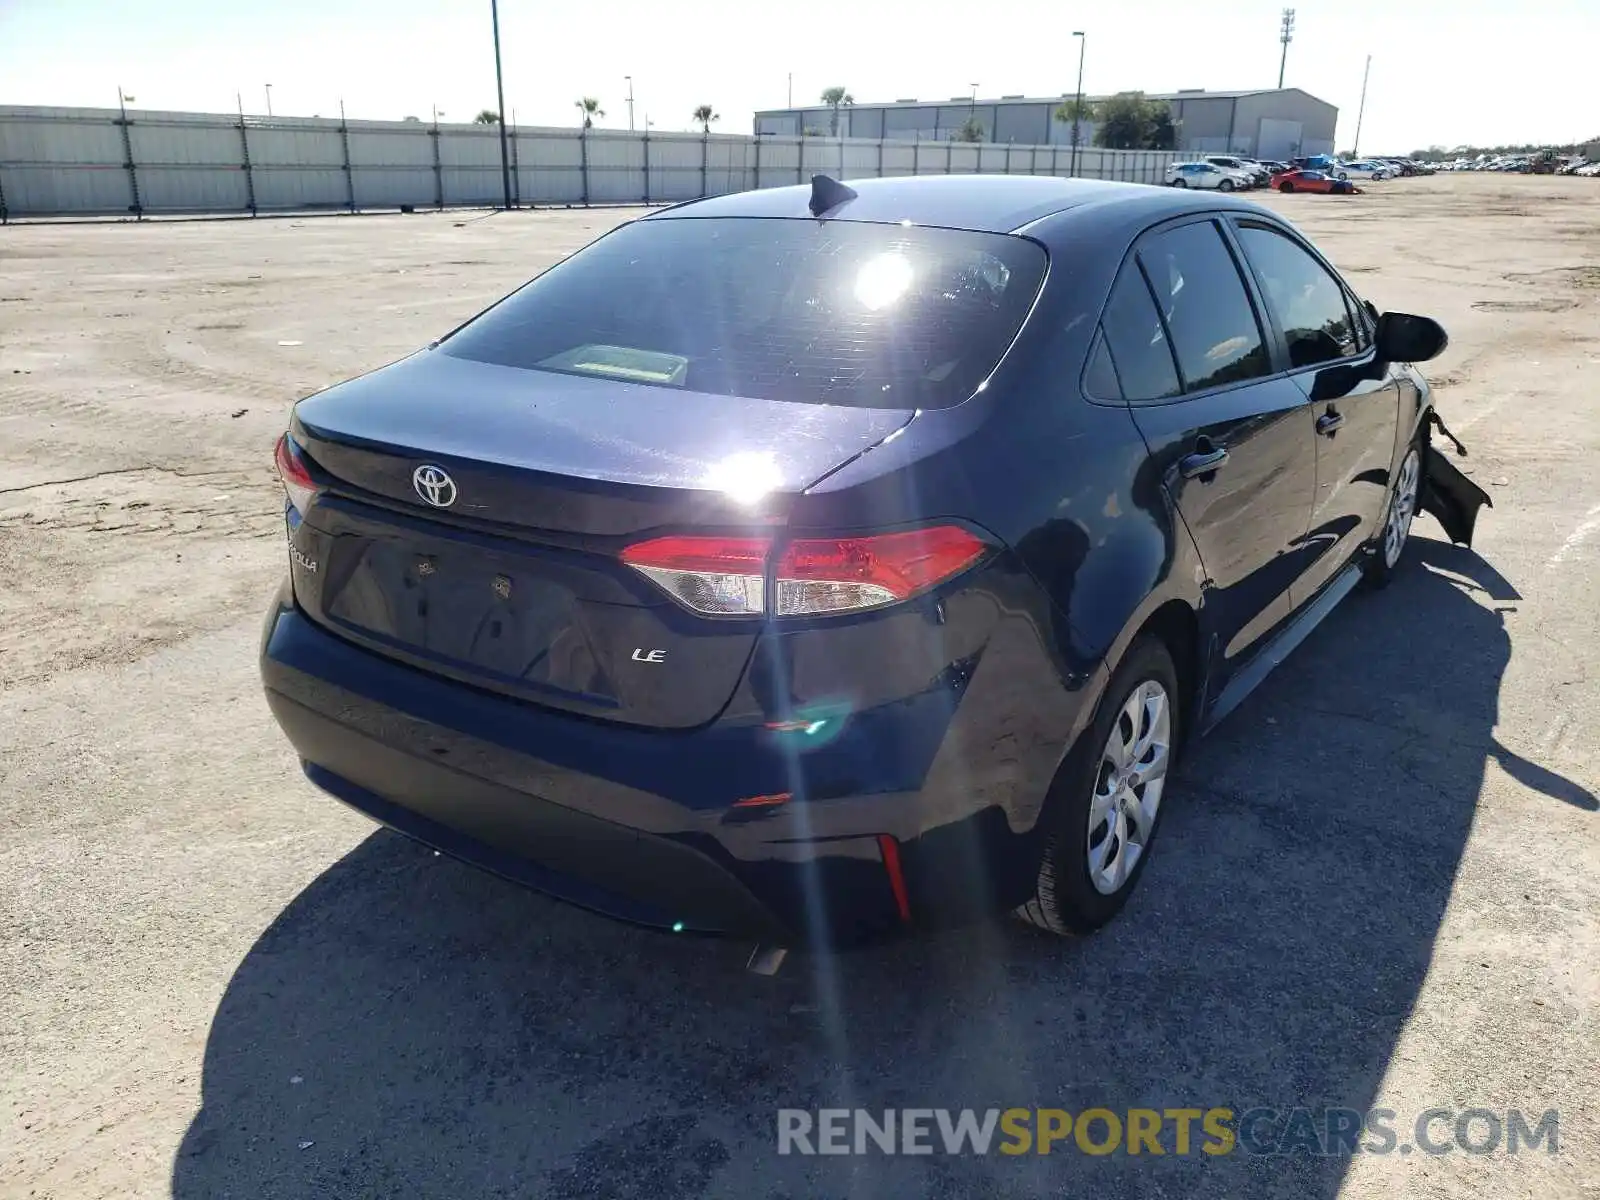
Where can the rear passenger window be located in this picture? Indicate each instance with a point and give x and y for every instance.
(1138, 344)
(1308, 303)
(1100, 381)
(1208, 313)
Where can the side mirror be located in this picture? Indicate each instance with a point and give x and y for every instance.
(1408, 339)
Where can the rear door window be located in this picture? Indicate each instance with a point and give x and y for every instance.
(1213, 325)
(1138, 343)
(826, 312)
(1100, 378)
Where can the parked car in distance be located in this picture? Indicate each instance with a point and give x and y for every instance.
(869, 569)
(1251, 170)
(1205, 175)
(1315, 162)
(1311, 181)
(1361, 169)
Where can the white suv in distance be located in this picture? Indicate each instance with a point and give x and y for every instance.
(1248, 167)
(1363, 169)
(1206, 175)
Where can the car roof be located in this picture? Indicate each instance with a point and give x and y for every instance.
(988, 203)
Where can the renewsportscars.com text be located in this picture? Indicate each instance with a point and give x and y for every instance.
(1177, 1131)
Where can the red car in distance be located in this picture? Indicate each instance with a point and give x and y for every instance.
(1311, 181)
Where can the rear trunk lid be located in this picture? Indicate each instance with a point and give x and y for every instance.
(471, 515)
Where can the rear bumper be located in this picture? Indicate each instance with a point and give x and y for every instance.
(596, 864)
(644, 826)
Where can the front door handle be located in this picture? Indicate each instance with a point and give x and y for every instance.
(1201, 462)
(1328, 422)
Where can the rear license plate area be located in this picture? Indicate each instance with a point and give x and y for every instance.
(493, 614)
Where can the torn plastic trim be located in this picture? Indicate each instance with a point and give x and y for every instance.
(1452, 498)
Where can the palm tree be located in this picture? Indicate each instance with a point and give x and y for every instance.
(970, 130)
(590, 107)
(486, 116)
(836, 98)
(705, 115)
(1074, 110)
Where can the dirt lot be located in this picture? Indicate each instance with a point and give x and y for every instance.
(1378, 886)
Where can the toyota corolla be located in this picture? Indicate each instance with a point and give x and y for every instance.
(829, 560)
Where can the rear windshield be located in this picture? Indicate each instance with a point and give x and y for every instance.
(828, 312)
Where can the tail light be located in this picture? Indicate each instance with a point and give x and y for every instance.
(717, 575)
(707, 574)
(297, 481)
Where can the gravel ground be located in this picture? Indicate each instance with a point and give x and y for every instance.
(1378, 885)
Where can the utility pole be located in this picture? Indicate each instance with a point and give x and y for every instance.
(791, 89)
(1285, 35)
(629, 78)
(269, 99)
(500, 95)
(1077, 113)
(1355, 150)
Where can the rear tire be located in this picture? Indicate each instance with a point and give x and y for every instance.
(1113, 784)
(1343, 176)
(1180, 183)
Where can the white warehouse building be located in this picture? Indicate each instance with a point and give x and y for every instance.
(1275, 123)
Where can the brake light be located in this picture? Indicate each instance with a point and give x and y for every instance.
(717, 575)
(839, 574)
(297, 481)
(707, 574)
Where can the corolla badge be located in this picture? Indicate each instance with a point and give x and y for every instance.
(434, 486)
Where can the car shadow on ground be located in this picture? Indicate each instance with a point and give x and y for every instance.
(409, 1026)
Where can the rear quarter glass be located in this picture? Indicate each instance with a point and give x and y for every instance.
(825, 312)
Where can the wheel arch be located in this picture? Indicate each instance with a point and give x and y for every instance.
(1177, 625)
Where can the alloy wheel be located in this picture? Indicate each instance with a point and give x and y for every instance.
(1128, 786)
(1402, 508)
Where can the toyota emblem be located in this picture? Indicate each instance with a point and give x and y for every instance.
(434, 486)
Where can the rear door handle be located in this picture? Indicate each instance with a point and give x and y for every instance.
(1201, 462)
(1329, 421)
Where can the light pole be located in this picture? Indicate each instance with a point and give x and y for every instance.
(269, 98)
(1285, 35)
(500, 99)
(1077, 111)
(1355, 150)
(437, 113)
(629, 78)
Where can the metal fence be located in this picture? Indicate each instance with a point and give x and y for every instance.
(86, 162)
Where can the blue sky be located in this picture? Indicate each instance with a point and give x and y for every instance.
(1443, 71)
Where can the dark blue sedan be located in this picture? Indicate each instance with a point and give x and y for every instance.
(828, 560)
